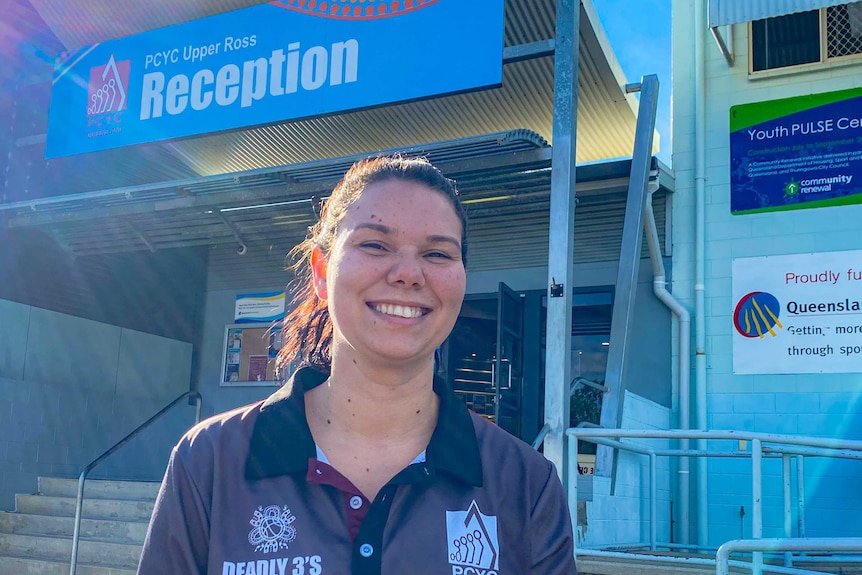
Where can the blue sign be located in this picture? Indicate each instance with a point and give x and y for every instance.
(796, 153)
(270, 63)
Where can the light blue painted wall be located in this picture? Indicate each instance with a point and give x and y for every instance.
(622, 518)
(71, 387)
(807, 404)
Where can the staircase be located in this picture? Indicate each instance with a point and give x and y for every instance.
(36, 539)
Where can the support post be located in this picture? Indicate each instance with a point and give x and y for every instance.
(561, 237)
(629, 266)
(757, 503)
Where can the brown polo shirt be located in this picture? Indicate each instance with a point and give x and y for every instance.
(246, 494)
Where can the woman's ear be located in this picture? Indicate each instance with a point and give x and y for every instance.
(318, 272)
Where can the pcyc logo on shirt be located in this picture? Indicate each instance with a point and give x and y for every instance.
(473, 544)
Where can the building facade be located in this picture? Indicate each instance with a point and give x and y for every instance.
(766, 139)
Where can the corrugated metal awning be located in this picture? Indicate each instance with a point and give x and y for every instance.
(724, 12)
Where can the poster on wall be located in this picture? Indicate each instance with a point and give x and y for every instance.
(273, 62)
(259, 307)
(249, 355)
(799, 313)
(803, 152)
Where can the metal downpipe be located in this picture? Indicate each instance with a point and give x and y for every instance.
(684, 351)
(700, 261)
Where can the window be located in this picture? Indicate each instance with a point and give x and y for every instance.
(809, 37)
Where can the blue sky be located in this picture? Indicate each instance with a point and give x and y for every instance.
(639, 32)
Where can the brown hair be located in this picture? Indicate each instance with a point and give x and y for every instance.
(307, 330)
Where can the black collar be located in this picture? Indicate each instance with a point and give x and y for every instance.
(281, 442)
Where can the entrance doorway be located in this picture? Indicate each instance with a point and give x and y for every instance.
(494, 358)
(483, 359)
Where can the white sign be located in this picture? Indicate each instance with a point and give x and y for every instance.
(259, 307)
(798, 314)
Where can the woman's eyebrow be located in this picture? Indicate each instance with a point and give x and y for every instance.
(388, 231)
(448, 239)
(376, 227)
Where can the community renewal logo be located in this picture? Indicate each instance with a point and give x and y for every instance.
(757, 314)
(106, 97)
(473, 545)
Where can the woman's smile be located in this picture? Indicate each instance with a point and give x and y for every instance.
(397, 310)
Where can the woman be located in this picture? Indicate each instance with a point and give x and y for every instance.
(364, 462)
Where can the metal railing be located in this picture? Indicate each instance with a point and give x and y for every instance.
(540, 438)
(783, 446)
(825, 544)
(79, 504)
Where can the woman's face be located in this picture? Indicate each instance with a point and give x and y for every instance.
(393, 280)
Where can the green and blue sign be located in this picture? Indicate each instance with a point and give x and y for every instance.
(803, 152)
(270, 63)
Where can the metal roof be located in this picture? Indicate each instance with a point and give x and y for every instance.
(724, 12)
(201, 191)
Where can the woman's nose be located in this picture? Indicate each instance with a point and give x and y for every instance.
(407, 270)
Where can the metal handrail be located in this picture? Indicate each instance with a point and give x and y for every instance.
(546, 429)
(722, 557)
(79, 505)
(541, 436)
(787, 446)
(588, 383)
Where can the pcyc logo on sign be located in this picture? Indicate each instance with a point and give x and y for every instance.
(106, 96)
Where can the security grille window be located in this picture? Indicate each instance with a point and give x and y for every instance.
(807, 37)
(844, 30)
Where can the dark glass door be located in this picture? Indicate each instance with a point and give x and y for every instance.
(508, 372)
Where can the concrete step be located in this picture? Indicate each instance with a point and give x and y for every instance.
(99, 488)
(28, 566)
(60, 549)
(99, 529)
(124, 510)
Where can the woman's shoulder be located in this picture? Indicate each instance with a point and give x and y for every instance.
(498, 447)
(220, 432)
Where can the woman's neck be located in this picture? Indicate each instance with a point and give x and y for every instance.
(377, 404)
(372, 425)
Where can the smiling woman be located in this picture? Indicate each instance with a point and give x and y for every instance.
(364, 462)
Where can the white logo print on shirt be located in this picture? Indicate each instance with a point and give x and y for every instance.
(272, 529)
(472, 538)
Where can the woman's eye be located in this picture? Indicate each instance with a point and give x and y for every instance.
(436, 255)
(372, 245)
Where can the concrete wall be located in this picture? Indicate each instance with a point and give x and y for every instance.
(622, 518)
(806, 404)
(71, 387)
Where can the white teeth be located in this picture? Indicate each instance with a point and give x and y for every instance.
(399, 310)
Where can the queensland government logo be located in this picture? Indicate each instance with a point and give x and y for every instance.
(350, 10)
(473, 545)
(272, 528)
(756, 314)
(106, 97)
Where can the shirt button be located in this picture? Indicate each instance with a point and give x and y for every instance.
(366, 550)
(355, 502)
